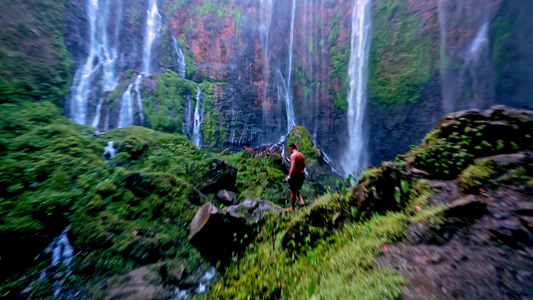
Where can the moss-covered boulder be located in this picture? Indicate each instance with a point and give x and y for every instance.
(213, 175)
(463, 136)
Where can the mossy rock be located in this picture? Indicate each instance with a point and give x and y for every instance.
(316, 223)
(304, 140)
(213, 175)
(476, 176)
(379, 190)
(462, 136)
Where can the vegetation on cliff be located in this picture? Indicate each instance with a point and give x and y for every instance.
(401, 60)
(35, 62)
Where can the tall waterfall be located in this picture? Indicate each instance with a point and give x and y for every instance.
(467, 74)
(101, 58)
(153, 29)
(355, 157)
(288, 96)
(199, 111)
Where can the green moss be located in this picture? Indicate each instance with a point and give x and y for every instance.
(304, 140)
(400, 62)
(476, 176)
(36, 63)
(212, 134)
(340, 61)
(164, 108)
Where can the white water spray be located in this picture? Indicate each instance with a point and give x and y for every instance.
(355, 157)
(102, 55)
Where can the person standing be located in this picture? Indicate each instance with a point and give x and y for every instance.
(296, 175)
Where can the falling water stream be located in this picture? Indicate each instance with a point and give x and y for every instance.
(288, 95)
(199, 110)
(102, 55)
(355, 157)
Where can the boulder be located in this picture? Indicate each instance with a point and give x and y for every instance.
(226, 197)
(250, 210)
(217, 234)
(214, 175)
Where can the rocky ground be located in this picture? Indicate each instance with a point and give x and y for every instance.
(482, 249)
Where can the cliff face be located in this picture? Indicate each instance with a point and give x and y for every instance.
(248, 45)
(272, 64)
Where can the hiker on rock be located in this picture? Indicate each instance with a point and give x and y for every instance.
(296, 175)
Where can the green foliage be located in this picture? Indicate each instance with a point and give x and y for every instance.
(334, 35)
(400, 62)
(164, 109)
(212, 135)
(340, 61)
(35, 62)
(46, 167)
(476, 175)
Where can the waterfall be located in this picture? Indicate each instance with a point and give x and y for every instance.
(467, 74)
(182, 68)
(129, 100)
(138, 98)
(101, 57)
(288, 96)
(125, 118)
(355, 157)
(153, 28)
(198, 118)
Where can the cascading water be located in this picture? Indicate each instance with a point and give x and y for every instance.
(467, 74)
(198, 118)
(355, 157)
(126, 109)
(153, 29)
(101, 58)
(109, 151)
(182, 68)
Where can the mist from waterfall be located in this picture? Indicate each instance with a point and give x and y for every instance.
(100, 61)
(355, 157)
(467, 73)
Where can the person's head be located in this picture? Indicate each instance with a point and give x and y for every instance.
(293, 147)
